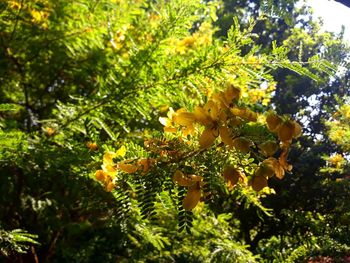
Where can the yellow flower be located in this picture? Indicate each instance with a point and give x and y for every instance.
(242, 144)
(244, 113)
(50, 131)
(273, 121)
(186, 179)
(15, 5)
(100, 175)
(268, 148)
(191, 181)
(227, 97)
(258, 183)
(283, 160)
(192, 197)
(145, 164)
(214, 120)
(336, 160)
(108, 158)
(185, 44)
(92, 146)
(186, 120)
(286, 130)
(109, 169)
(232, 176)
(168, 121)
(128, 168)
(271, 166)
(110, 186)
(106, 179)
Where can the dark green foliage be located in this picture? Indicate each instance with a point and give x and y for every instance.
(102, 72)
(185, 217)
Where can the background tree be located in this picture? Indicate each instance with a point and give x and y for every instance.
(307, 189)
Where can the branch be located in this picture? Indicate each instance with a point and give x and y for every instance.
(17, 18)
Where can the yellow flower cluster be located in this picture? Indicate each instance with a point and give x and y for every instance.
(260, 94)
(345, 110)
(219, 116)
(336, 160)
(202, 37)
(222, 116)
(286, 130)
(15, 5)
(108, 173)
(39, 17)
(339, 126)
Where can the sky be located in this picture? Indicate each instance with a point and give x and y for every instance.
(334, 15)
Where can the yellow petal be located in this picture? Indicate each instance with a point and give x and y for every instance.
(195, 178)
(110, 186)
(232, 93)
(286, 131)
(231, 176)
(170, 113)
(250, 115)
(273, 121)
(109, 169)
(236, 111)
(275, 165)
(108, 158)
(283, 161)
(145, 164)
(170, 129)
(181, 179)
(244, 113)
(50, 131)
(92, 146)
(128, 168)
(121, 151)
(100, 175)
(268, 148)
(184, 118)
(192, 197)
(212, 108)
(165, 121)
(258, 183)
(297, 130)
(279, 172)
(207, 138)
(188, 130)
(242, 144)
(201, 116)
(225, 135)
(265, 171)
(243, 179)
(220, 98)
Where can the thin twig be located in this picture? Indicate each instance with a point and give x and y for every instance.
(17, 18)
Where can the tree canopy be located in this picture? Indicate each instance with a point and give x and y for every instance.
(171, 131)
